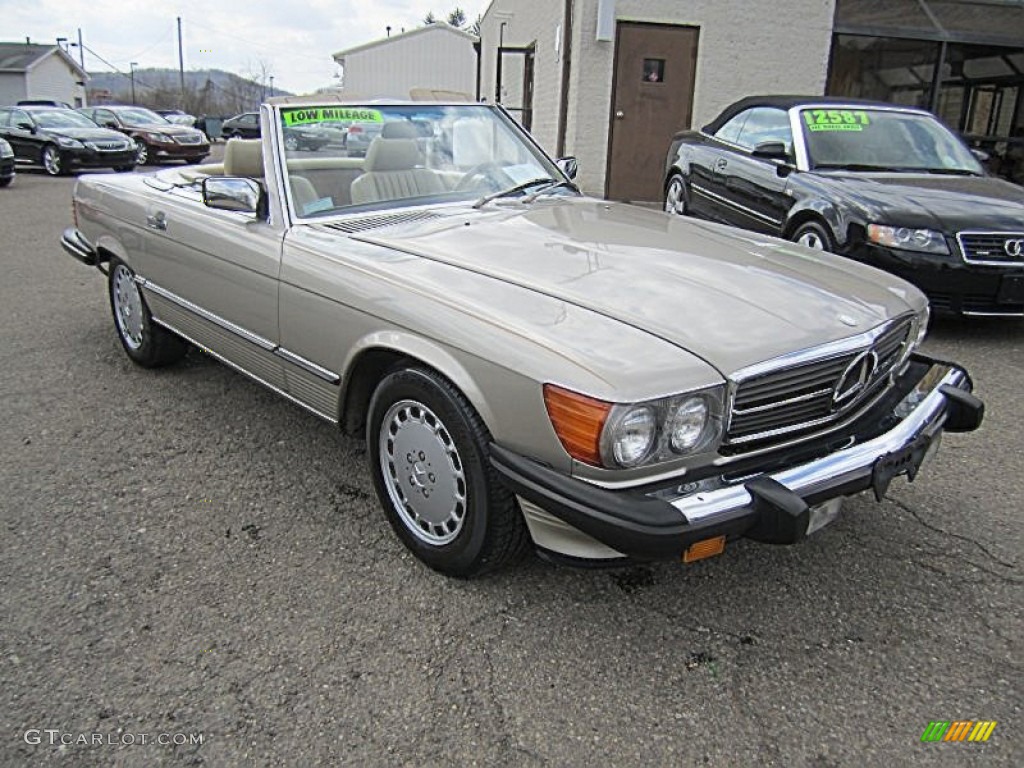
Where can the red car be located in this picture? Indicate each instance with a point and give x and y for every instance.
(157, 138)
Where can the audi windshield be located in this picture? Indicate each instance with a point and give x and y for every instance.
(884, 140)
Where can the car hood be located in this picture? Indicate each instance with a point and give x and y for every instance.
(732, 298)
(936, 201)
(86, 134)
(164, 128)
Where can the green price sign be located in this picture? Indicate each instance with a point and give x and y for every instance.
(836, 119)
(307, 115)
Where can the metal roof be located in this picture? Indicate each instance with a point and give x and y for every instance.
(21, 57)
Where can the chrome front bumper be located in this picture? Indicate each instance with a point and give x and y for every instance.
(774, 505)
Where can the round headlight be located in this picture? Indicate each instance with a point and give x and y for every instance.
(632, 435)
(686, 426)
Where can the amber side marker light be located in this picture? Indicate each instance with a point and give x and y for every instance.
(704, 549)
(578, 421)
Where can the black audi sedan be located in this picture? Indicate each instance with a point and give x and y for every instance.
(61, 140)
(886, 185)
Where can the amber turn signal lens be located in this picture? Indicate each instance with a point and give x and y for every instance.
(703, 549)
(578, 421)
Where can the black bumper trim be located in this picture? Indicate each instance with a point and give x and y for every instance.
(645, 527)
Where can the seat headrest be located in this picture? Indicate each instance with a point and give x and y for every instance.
(399, 130)
(392, 155)
(243, 157)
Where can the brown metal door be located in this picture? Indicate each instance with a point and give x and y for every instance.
(652, 99)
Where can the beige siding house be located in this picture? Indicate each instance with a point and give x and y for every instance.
(436, 57)
(31, 71)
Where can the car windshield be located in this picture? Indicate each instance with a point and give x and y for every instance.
(341, 159)
(875, 139)
(140, 116)
(61, 118)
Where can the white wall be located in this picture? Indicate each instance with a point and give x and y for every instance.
(52, 78)
(12, 88)
(527, 22)
(438, 59)
(745, 48)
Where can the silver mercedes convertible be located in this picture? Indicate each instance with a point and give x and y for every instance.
(530, 367)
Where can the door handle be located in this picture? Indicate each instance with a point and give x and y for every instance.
(157, 221)
(619, 114)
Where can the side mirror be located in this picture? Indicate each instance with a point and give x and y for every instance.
(771, 150)
(111, 124)
(568, 166)
(226, 193)
(981, 155)
(27, 127)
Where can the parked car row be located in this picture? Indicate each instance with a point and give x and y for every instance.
(62, 140)
(884, 185)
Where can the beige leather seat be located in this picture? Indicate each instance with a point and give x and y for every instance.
(244, 157)
(394, 171)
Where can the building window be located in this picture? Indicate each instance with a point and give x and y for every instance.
(654, 71)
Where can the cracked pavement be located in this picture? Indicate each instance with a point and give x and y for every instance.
(182, 551)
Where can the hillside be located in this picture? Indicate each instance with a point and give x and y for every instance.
(207, 91)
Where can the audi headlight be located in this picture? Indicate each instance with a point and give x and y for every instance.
(625, 435)
(68, 143)
(908, 239)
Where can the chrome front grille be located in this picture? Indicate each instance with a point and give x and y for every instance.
(109, 146)
(800, 396)
(188, 138)
(992, 247)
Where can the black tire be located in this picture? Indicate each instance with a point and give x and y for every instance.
(145, 342)
(811, 234)
(124, 168)
(6, 182)
(677, 196)
(491, 532)
(52, 160)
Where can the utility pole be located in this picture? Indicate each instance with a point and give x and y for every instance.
(181, 65)
(131, 67)
(271, 86)
(81, 50)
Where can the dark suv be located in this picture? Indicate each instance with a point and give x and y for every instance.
(156, 138)
(61, 140)
(247, 126)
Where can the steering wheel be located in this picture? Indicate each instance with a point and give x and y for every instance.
(483, 170)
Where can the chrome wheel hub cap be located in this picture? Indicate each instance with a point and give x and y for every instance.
(128, 306)
(51, 161)
(812, 240)
(674, 197)
(423, 472)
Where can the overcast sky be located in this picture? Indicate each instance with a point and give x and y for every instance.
(294, 40)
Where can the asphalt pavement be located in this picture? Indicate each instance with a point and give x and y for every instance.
(195, 572)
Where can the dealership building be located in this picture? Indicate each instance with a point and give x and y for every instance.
(610, 81)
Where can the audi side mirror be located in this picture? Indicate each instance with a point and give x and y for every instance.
(772, 150)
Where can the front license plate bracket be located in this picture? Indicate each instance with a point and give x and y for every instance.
(1011, 290)
(906, 461)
